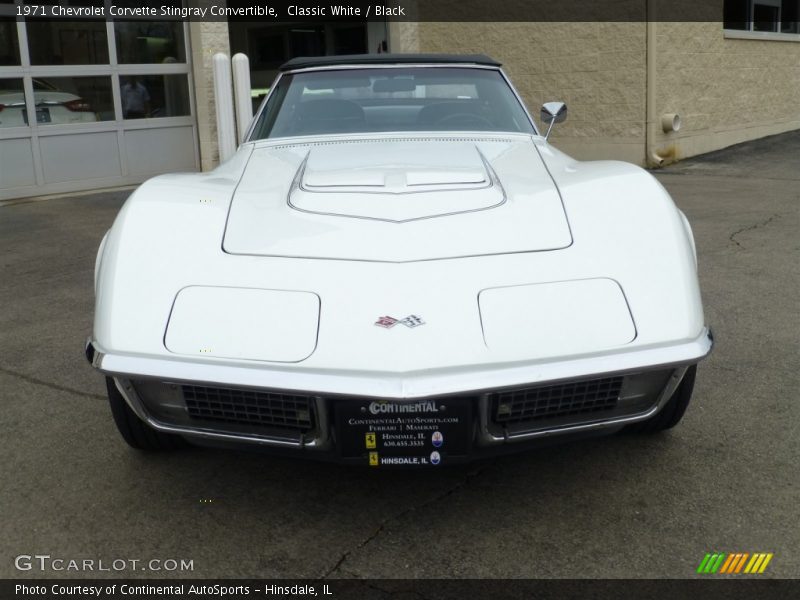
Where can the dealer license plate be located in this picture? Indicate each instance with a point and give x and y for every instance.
(423, 433)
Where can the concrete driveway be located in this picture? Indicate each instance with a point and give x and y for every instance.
(726, 479)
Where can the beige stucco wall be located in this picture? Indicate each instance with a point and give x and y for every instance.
(206, 40)
(598, 69)
(726, 90)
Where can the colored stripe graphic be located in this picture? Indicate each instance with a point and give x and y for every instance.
(718, 564)
(711, 563)
(753, 560)
(726, 567)
(703, 563)
(741, 562)
(764, 564)
(733, 563)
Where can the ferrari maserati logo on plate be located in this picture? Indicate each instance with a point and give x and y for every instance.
(417, 433)
(410, 321)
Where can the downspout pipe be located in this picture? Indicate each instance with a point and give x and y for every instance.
(651, 125)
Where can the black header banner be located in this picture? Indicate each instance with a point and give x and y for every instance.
(294, 11)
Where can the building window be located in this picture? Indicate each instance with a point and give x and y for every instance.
(149, 42)
(270, 46)
(63, 100)
(67, 42)
(12, 104)
(57, 101)
(349, 40)
(764, 16)
(78, 68)
(9, 47)
(154, 96)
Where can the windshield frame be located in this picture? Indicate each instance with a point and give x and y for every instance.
(256, 118)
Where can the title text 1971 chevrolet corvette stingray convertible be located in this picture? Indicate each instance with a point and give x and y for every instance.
(396, 268)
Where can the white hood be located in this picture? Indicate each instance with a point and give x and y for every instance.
(627, 281)
(396, 200)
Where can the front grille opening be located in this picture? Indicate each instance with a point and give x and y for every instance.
(264, 409)
(530, 405)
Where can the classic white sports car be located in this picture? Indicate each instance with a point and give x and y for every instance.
(397, 268)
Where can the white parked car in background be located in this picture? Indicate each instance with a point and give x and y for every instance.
(397, 268)
(52, 105)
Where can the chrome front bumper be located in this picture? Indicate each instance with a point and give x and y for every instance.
(477, 385)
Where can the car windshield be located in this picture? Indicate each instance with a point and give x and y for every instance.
(391, 99)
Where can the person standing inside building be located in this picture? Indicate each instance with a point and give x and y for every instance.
(135, 99)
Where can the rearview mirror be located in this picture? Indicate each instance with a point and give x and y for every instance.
(552, 113)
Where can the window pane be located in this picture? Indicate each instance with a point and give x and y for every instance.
(267, 48)
(736, 14)
(61, 100)
(765, 18)
(307, 41)
(350, 40)
(790, 15)
(12, 104)
(67, 42)
(9, 48)
(150, 42)
(154, 96)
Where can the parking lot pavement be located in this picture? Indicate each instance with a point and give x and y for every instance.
(725, 479)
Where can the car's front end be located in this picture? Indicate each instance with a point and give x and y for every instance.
(398, 297)
(340, 427)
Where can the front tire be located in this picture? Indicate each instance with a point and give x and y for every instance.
(672, 412)
(133, 430)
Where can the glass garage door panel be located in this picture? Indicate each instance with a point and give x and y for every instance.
(150, 42)
(67, 42)
(154, 96)
(63, 100)
(13, 112)
(9, 47)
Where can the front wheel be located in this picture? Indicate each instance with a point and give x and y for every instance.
(133, 430)
(672, 412)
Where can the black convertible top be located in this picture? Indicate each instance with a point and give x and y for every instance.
(302, 62)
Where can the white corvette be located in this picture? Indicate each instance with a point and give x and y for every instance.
(396, 268)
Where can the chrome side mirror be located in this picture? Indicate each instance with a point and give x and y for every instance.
(552, 113)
